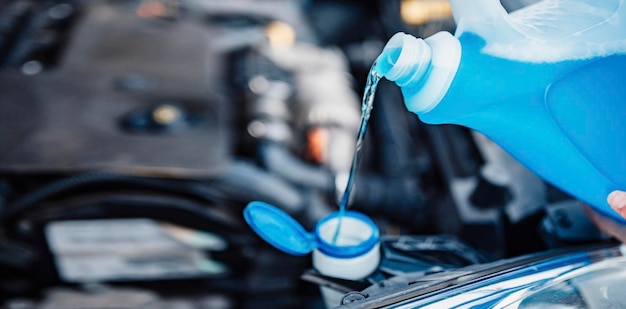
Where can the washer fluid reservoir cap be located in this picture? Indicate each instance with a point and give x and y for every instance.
(279, 229)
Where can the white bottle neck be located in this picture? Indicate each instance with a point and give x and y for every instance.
(424, 69)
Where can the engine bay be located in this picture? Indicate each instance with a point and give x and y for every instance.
(134, 132)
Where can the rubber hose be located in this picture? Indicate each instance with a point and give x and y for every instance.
(279, 160)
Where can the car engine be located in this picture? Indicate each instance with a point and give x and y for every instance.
(134, 132)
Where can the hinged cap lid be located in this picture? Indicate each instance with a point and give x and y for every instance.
(279, 229)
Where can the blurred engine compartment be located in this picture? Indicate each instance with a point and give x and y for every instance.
(133, 133)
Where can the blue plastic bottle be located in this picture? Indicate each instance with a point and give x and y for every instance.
(547, 83)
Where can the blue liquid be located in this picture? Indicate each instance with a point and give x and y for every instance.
(564, 120)
(367, 105)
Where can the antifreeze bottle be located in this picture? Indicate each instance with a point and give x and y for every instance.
(546, 82)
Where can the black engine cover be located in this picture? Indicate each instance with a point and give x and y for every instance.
(85, 113)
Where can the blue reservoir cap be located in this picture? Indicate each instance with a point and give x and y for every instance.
(279, 229)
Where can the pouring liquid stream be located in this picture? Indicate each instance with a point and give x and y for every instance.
(366, 109)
